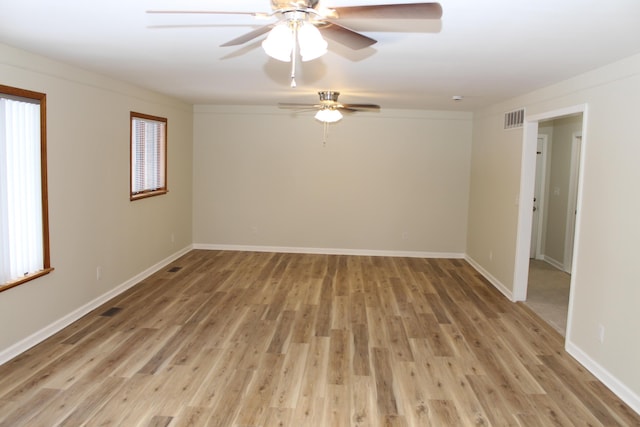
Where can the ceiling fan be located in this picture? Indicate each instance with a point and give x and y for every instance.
(301, 24)
(329, 108)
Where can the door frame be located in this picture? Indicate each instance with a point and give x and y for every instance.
(525, 201)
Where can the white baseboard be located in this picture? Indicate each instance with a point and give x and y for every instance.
(495, 282)
(609, 380)
(328, 251)
(557, 264)
(44, 333)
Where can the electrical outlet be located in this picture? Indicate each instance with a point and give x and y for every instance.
(173, 237)
(490, 255)
(405, 235)
(98, 272)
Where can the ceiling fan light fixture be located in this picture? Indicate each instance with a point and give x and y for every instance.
(312, 45)
(328, 115)
(279, 42)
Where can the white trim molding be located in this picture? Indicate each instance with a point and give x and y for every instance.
(495, 282)
(328, 251)
(44, 333)
(608, 379)
(554, 262)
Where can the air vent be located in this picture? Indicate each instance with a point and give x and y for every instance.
(514, 119)
(111, 312)
(175, 269)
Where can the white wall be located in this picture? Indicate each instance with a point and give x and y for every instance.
(92, 221)
(264, 178)
(493, 199)
(606, 285)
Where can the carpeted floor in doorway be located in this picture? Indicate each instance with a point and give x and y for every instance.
(548, 293)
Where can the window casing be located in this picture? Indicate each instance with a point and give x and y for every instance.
(148, 170)
(24, 223)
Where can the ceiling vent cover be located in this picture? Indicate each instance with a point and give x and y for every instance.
(514, 119)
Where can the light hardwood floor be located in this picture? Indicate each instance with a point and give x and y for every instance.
(262, 339)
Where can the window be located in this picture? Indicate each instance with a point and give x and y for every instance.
(148, 156)
(24, 225)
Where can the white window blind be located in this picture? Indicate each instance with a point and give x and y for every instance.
(147, 155)
(21, 221)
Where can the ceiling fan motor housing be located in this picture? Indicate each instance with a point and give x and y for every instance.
(328, 95)
(288, 4)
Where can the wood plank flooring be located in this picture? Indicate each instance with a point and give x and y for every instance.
(221, 338)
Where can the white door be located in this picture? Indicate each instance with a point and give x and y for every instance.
(538, 198)
(572, 210)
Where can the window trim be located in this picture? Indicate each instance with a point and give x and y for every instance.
(158, 191)
(46, 259)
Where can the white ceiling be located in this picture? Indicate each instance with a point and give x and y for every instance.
(483, 50)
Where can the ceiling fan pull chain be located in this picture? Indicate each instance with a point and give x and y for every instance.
(294, 51)
(324, 136)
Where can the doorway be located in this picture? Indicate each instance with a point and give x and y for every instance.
(546, 236)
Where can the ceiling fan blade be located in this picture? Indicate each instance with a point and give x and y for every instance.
(206, 12)
(357, 107)
(391, 11)
(297, 106)
(345, 36)
(249, 36)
